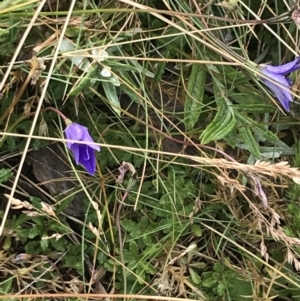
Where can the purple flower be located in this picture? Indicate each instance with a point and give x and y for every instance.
(278, 75)
(84, 154)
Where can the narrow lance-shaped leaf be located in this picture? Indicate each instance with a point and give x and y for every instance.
(247, 137)
(161, 66)
(84, 81)
(194, 98)
(222, 124)
(112, 96)
(258, 129)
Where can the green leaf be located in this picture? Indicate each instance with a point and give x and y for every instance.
(259, 129)
(241, 288)
(148, 267)
(112, 96)
(36, 202)
(218, 267)
(131, 227)
(222, 124)
(141, 69)
(85, 80)
(59, 245)
(33, 232)
(5, 286)
(221, 289)
(130, 258)
(161, 66)
(208, 280)
(134, 249)
(74, 262)
(33, 247)
(173, 38)
(229, 4)
(248, 139)
(256, 108)
(44, 244)
(196, 229)
(231, 139)
(195, 277)
(195, 93)
(7, 243)
(147, 240)
(65, 203)
(129, 87)
(11, 142)
(5, 174)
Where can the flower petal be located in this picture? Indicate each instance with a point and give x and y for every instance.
(75, 149)
(284, 96)
(74, 131)
(87, 138)
(84, 154)
(88, 159)
(284, 69)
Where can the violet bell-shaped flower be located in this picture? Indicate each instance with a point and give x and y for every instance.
(84, 154)
(278, 74)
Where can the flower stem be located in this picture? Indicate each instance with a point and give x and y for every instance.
(66, 120)
(56, 111)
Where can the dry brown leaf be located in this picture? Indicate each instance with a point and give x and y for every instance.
(39, 68)
(189, 249)
(56, 236)
(123, 169)
(43, 128)
(93, 229)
